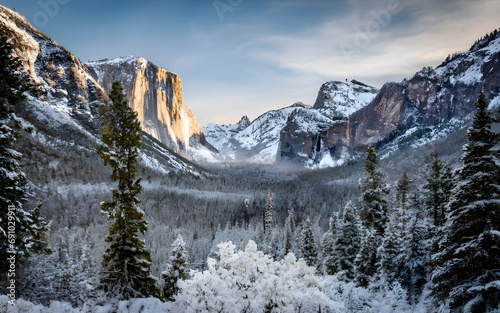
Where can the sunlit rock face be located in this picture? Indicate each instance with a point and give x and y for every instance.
(156, 95)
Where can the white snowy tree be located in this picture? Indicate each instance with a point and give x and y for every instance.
(250, 281)
(176, 270)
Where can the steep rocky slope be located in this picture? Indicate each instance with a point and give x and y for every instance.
(62, 103)
(156, 95)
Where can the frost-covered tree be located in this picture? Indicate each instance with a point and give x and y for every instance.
(176, 270)
(14, 190)
(308, 245)
(347, 243)
(126, 261)
(328, 247)
(250, 281)
(468, 266)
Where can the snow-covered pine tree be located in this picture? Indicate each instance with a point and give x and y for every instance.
(38, 232)
(13, 184)
(268, 215)
(347, 243)
(388, 252)
(176, 270)
(290, 243)
(467, 271)
(328, 247)
(403, 188)
(413, 256)
(309, 249)
(126, 261)
(373, 211)
(373, 215)
(435, 197)
(366, 260)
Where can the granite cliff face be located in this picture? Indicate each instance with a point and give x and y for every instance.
(156, 95)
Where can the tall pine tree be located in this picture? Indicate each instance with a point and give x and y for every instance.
(467, 274)
(373, 215)
(126, 261)
(308, 245)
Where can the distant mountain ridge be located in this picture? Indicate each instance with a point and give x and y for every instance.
(262, 140)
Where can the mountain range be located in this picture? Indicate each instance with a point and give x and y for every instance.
(345, 119)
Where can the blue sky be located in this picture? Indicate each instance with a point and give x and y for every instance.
(244, 57)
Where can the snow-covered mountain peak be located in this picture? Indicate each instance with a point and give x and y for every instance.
(338, 99)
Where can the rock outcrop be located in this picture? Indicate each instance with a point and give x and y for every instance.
(156, 95)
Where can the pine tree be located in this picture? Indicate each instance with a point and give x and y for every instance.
(38, 231)
(373, 215)
(374, 195)
(468, 266)
(126, 261)
(347, 243)
(268, 217)
(14, 191)
(413, 257)
(328, 247)
(388, 252)
(309, 249)
(366, 260)
(176, 270)
(435, 200)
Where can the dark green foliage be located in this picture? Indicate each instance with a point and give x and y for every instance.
(435, 198)
(126, 261)
(469, 262)
(38, 231)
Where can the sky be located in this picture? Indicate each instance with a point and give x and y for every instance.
(245, 57)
